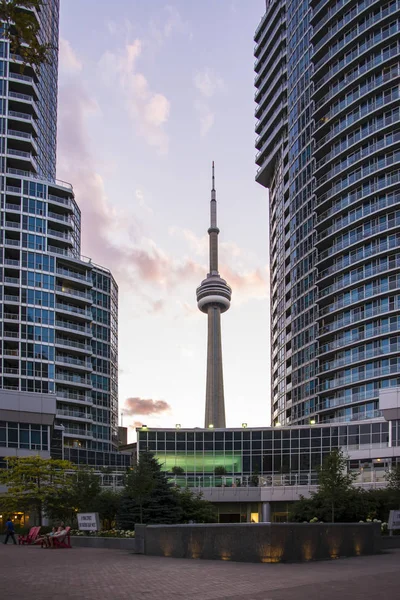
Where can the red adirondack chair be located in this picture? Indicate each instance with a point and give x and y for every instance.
(64, 542)
(30, 537)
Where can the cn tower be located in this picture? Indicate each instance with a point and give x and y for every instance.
(214, 298)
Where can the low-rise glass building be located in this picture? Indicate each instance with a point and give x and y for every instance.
(255, 474)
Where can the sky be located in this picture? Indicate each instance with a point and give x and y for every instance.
(150, 93)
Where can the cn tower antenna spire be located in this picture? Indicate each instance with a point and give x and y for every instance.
(214, 298)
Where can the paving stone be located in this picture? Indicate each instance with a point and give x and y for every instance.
(89, 574)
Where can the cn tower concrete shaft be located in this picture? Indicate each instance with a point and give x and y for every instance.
(215, 401)
(213, 298)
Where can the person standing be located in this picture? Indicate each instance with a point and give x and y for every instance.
(10, 531)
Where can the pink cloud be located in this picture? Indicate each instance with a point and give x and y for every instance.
(143, 406)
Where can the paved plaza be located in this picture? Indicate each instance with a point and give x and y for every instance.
(89, 574)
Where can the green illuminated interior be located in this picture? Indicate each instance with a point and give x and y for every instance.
(192, 462)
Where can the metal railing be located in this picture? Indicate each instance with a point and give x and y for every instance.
(75, 275)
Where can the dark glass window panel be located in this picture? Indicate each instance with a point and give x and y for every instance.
(256, 463)
(354, 430)
(294, 444)
(199, 436)
(286, 444)
(190, 445)
(365, 429)
(256, 445)
(180, 436)
(160, 446)
(219, 445)
(315, 433)
(152, 435)
(170, 436)
(376, 427)
(315, 460)
(304, 443)
(199, 445)
(246, 464)
(219, 435)
(315, 443)
(277, 434)
(267, 464)
(294, 462)
(161, 436)
(326, 432)
(208, 446)
(286, 434)
(267, 444)
(246, 445)
(334, 441)
(294, 434)
(277, 463)
(208, 436)
(304, 462)
(237, 435)
(246, 435)
(152, 446)
(304, 433)
(190, 436)
(237, 445)
(181, 446)
(170, 446)
(228, 445)
(267, 435)
(256, 435)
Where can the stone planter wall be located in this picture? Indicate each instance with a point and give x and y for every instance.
(260, 542)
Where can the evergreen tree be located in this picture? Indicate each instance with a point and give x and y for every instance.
(148, 496)
(195, 508)
(334, 482)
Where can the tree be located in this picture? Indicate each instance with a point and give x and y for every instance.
(107, 505)
(195, 508)
(393, 483)
(21, 28)
(33, 481)
(148, 496)
(177, 471)
(220, 471)
(333, 480)
(255, 477)
(80, 496)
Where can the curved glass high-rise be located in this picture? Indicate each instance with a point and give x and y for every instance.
(328, 110)
(58, 311)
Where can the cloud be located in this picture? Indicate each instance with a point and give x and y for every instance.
(169, 23)
(69, 61)
(117, 239)
(141, 406)
(135, 424)
(149, 111)
(207, 83)
(206, 116)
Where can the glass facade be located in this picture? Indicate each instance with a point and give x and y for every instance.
(272, 456)
(59, 311)
(327, 79)
(25, 436)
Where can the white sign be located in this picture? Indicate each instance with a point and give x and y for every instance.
(394, 520)
(88, 521)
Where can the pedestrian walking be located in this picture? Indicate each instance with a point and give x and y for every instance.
(10, 531)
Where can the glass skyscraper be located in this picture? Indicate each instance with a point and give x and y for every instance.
(59, 311)
(328, 127)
